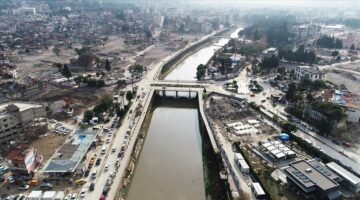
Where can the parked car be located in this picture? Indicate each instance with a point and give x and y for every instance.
(106, 190)
(346, 144)
(46, 186)
(98, 161)
(73, 196)
(11, 179)
(24, 187)
(336, 142)
(121, 154)
(33, 182)
(92, 187)
(80, 182)
(83, 193)
(68, 197)
(108, 182)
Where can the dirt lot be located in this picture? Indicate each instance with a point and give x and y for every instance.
(342, 78)
(47, 145)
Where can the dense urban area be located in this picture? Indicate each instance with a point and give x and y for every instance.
(215, 100)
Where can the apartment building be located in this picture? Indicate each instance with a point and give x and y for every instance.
(313, 73)
(15, 118)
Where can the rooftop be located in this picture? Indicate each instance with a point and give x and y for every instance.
(22, 106)
(344, 173)
(311, 173)
(70, 154)
(310, 69)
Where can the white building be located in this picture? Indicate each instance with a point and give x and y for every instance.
(350, 102)
(313, 73)
(268, 53)
(352, 181)
(15, 118)
(24, 11)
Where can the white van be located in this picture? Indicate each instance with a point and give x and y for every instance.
(103, 150)
(94, 174)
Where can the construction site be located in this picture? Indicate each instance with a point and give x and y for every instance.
(236, 121)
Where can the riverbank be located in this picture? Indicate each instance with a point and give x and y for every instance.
(215, 187)
(170, 163)
(172, 64)
(185, 160)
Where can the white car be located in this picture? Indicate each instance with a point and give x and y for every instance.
(108, 140)
(73, 196)
(106, 168)
(113, 149)
(68, 197)
(11, 179)
(83, 193)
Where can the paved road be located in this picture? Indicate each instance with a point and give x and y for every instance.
(348, 156)
(243, 80)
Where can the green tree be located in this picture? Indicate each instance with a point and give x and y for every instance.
(129, 95)
(200, 72)
(105, 103)
(66, 72)
(288, 127)
(352, 47)
(290, 94)
(334, 53)
(281, 70)
(88, 115)
(107, 65)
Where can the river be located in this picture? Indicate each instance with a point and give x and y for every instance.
(170, 165)
(185, 70)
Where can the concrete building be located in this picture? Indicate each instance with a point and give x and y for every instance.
(350, 102)
(25, 11)
(277, 150)
(348, 179)
(66, 161)
(23, 164)
(268, 53)
(15, 118)
(313, 73)
(313, 179)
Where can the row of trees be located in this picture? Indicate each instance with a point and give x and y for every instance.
(274, 30)
(330, 42)
(296, 90)
(91, 82)
(104, 105)
(300, 55)
(269, 63)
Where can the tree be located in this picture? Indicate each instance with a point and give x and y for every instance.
(104, 105)
(107, 65)
(352, 47)
(288, 127)
(66, 72)
(281, 70)
(129, 95)
(137, 69)
(334, 53)
(269, 63)
(290, 94)
(200, 72)
(225, 64)
(57, 51)
(88, 115)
